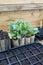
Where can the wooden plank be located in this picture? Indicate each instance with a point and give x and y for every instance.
(31, 16)
(20, 1)
(20, 7)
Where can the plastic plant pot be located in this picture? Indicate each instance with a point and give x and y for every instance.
(32, 39)
(27, 39)
(2, 45)
(7, 40)
(15, 42)
(5, 44)
(22, 41)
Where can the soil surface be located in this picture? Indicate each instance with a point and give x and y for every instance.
(10, 54)
(35, 51)
(28, 54)
(17, 51)
(31, 47)
(2, 55)
(21, 56)
(40, 56)
(38, 63)
(41, 49)
(24, 49)
(33, 59)
(3, 62)
(13, 59)
(25, 62)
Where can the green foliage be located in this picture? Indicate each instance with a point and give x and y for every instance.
(33, 31)
(20, 28)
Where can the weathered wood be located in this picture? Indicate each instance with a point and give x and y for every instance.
(33, 17)
(20, 7)
(20, 1)
(32, 13)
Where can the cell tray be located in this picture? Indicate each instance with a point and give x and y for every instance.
(25, 55)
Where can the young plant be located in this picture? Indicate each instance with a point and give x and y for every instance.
(18, 29)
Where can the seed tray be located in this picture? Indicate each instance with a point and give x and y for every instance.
(25, 55)
(39, 35)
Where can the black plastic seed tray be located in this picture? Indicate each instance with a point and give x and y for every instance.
(39, 35)
(25, 55)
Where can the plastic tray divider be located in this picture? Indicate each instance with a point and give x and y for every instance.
(8, 59)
